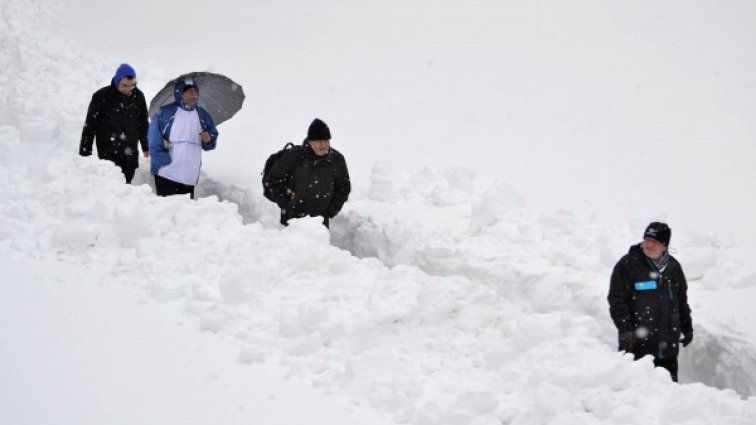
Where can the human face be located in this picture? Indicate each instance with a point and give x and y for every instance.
(190, 97)
(127, 85)
(653, 248)
(320, 147)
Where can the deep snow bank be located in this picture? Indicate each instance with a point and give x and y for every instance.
(548, 264)
(443, 348)
(46, 80)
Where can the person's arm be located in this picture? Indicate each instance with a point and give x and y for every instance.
(341, 188)
(143, 125)
(686, 322)
(619, 305)
(209, 135)
(619, 296)
(159, 155)
(90, 126)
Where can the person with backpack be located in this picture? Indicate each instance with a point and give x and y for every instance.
(648, 300)
(308, 180)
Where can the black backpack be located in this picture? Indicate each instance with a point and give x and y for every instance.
(272, 159)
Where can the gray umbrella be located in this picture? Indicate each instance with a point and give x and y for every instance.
(218, 95)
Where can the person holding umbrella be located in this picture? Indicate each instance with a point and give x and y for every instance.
(178, 134)
(117, 122)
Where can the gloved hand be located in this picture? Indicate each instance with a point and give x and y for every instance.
(626, 341)
(686, 338)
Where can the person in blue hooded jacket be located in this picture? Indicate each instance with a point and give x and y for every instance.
(117, 121)
(178, 134)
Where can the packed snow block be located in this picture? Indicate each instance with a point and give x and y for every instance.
(240, 286)
(37, 129)
(698, 261)
(745, 278)
(720, 358)
(450, 186)
(534, 329)
(475, 403)
(5, 156)
(71, 236)
(249, 355)
(8, 228)
(311, 230)
(365, 237)
(131, 227)
(248, 202)
(171, 289)
(383, 185)
(495, 204)
(216, 319)
(9, 137)
(456, 188)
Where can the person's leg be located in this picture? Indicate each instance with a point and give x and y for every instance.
(670, 364)
(128, 173)
(164, 187)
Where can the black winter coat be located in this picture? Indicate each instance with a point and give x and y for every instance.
(118, 123)
(640, 297)
(320, 184)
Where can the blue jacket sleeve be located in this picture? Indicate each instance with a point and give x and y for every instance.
(159, 156)
(209, 125)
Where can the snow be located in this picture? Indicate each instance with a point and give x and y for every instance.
(445, 292)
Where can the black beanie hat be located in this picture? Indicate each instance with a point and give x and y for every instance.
(318, 131)
(659, 231)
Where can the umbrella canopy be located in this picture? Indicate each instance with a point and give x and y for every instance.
(218, 95)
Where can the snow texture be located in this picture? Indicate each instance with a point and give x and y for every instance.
(439, 296)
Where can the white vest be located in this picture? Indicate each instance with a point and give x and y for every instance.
(185, 150)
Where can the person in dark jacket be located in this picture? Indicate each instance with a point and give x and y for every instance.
(117, 121)
(311, 179)
(648, 300)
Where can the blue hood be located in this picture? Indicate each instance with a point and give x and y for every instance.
(178, 88)
(125, 70)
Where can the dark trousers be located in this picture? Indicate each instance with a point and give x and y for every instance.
(670, 364)
(285, 219)
(128, 173)
(165, 187)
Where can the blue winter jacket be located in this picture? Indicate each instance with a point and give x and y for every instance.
(160, 128)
